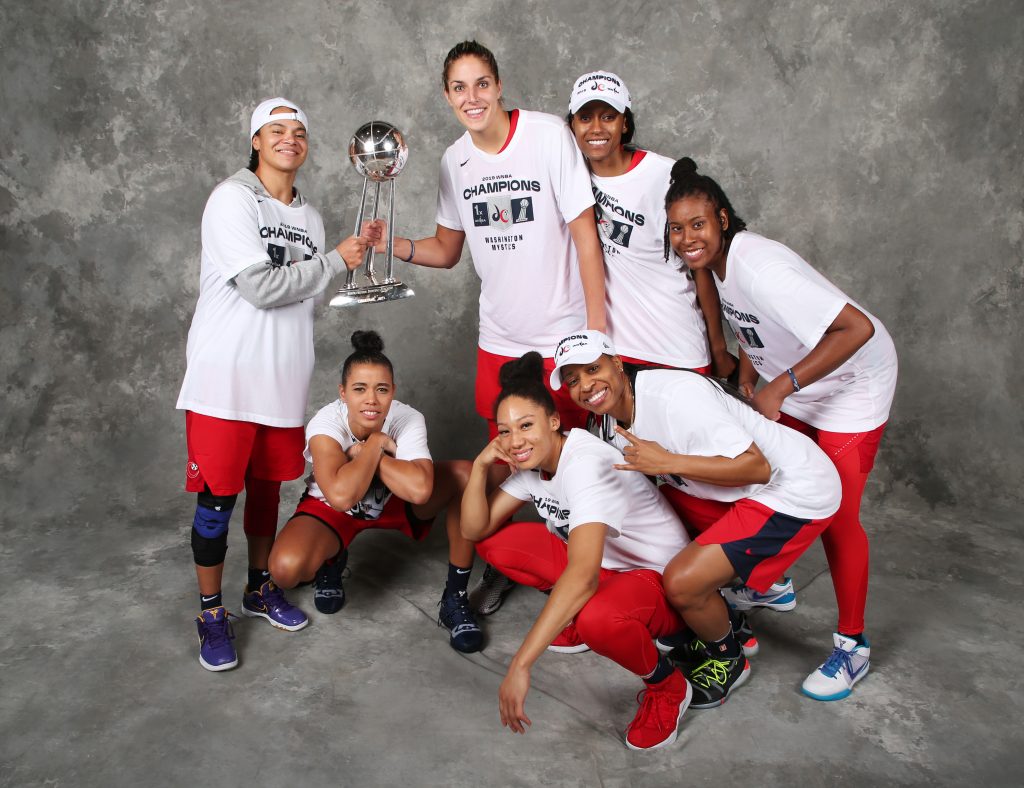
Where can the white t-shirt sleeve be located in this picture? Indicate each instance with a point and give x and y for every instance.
(569, 172)
(712, 433)
(411, 437)
(800, 305)
(518, 486)
(231, 231)
(447, 205)
(594, 493)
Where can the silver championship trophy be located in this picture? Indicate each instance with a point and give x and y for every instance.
(378, 152)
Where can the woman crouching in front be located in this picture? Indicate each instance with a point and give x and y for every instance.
(607, 538)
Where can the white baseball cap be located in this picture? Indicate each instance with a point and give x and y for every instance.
(599, 86)
(581, 347)
(261, 115)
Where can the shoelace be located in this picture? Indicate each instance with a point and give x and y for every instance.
(647, 702)
(456, 615)
(218, 631)
(274, 597)
(837, 660)
(714, 670)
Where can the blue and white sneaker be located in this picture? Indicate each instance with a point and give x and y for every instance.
(216, 651)
(268, 601)
(834, 679)
(780, 597)
(455, 616)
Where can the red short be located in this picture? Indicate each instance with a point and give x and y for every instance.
(639, 362)
(222, 452)
(487, 390)
(397, 516)
(760, 543)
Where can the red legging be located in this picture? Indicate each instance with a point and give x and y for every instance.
(845, 542)
(619, 621)
(262, 498)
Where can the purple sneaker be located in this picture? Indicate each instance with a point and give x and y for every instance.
(215, 636)
(268, 602)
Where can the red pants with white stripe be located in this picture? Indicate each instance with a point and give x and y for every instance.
(619, 621)
(845, 541)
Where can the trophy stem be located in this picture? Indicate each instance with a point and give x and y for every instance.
(369, 251)
(350, 277)
(389, 253)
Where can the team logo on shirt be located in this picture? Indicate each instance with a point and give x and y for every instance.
(503, 213)
(372, 505)
(748, 336)
(298, 245)
(616, 232)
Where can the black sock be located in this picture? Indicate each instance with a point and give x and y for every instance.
(663, 670)
(859, 637)
(257, 577)
(458, 579)
(211, 601)
(726, 648)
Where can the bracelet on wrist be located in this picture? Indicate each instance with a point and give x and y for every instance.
(793, 380)
(412, 252)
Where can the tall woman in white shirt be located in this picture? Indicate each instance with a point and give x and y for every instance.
(828, 368)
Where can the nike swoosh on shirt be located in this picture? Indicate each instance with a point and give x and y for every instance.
(464, 163)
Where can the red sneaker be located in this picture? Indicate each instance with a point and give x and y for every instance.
(569, 641)
(662, 707)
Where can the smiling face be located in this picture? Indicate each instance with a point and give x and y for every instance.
(599, 386)
(473, 93)
(368, 391)
(696, 232)
(528, 434)
(282, 144)
(598, 129)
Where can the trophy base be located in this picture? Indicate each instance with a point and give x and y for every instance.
(372, 294)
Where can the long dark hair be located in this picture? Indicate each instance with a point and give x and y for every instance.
(686, 182)
(369, 349)
(524, 377)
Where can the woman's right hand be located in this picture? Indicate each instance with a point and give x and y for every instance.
(493, 453)
(353, 250)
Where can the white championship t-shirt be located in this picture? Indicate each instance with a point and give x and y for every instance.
(652, 306)
(245, 363)
(687, 413)
(514, 207)
(643, 530)
(403, 424)
(779, 308)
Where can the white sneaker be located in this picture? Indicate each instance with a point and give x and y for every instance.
(781, 596)
(834, 679)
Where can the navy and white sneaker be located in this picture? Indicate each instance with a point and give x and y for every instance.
(268, 601)
(780, 597)
(455, 616)
(847, 664)
(328, 592)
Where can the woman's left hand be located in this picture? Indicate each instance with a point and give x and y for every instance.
(767, 402)
(648, 457)
(512, 699)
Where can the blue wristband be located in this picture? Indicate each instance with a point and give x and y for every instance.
(792, 377)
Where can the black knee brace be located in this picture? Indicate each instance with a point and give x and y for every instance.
(210, 528)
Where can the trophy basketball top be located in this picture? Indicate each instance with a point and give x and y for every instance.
(378, 151)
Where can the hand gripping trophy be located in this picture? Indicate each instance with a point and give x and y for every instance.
(378, 152)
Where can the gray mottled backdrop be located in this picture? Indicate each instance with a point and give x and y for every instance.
(881, 140)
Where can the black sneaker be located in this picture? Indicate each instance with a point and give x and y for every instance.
(715, 678)
(455, 616)
(328, 592)
(744, 633)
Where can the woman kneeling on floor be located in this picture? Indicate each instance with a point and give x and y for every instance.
(607, 538)
(372, 469)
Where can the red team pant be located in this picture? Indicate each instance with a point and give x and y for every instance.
(487, 390)
(619, 621)
(397, 516)
(228, 456)
(845, 542)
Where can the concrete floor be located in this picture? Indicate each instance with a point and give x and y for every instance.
(100, 685)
